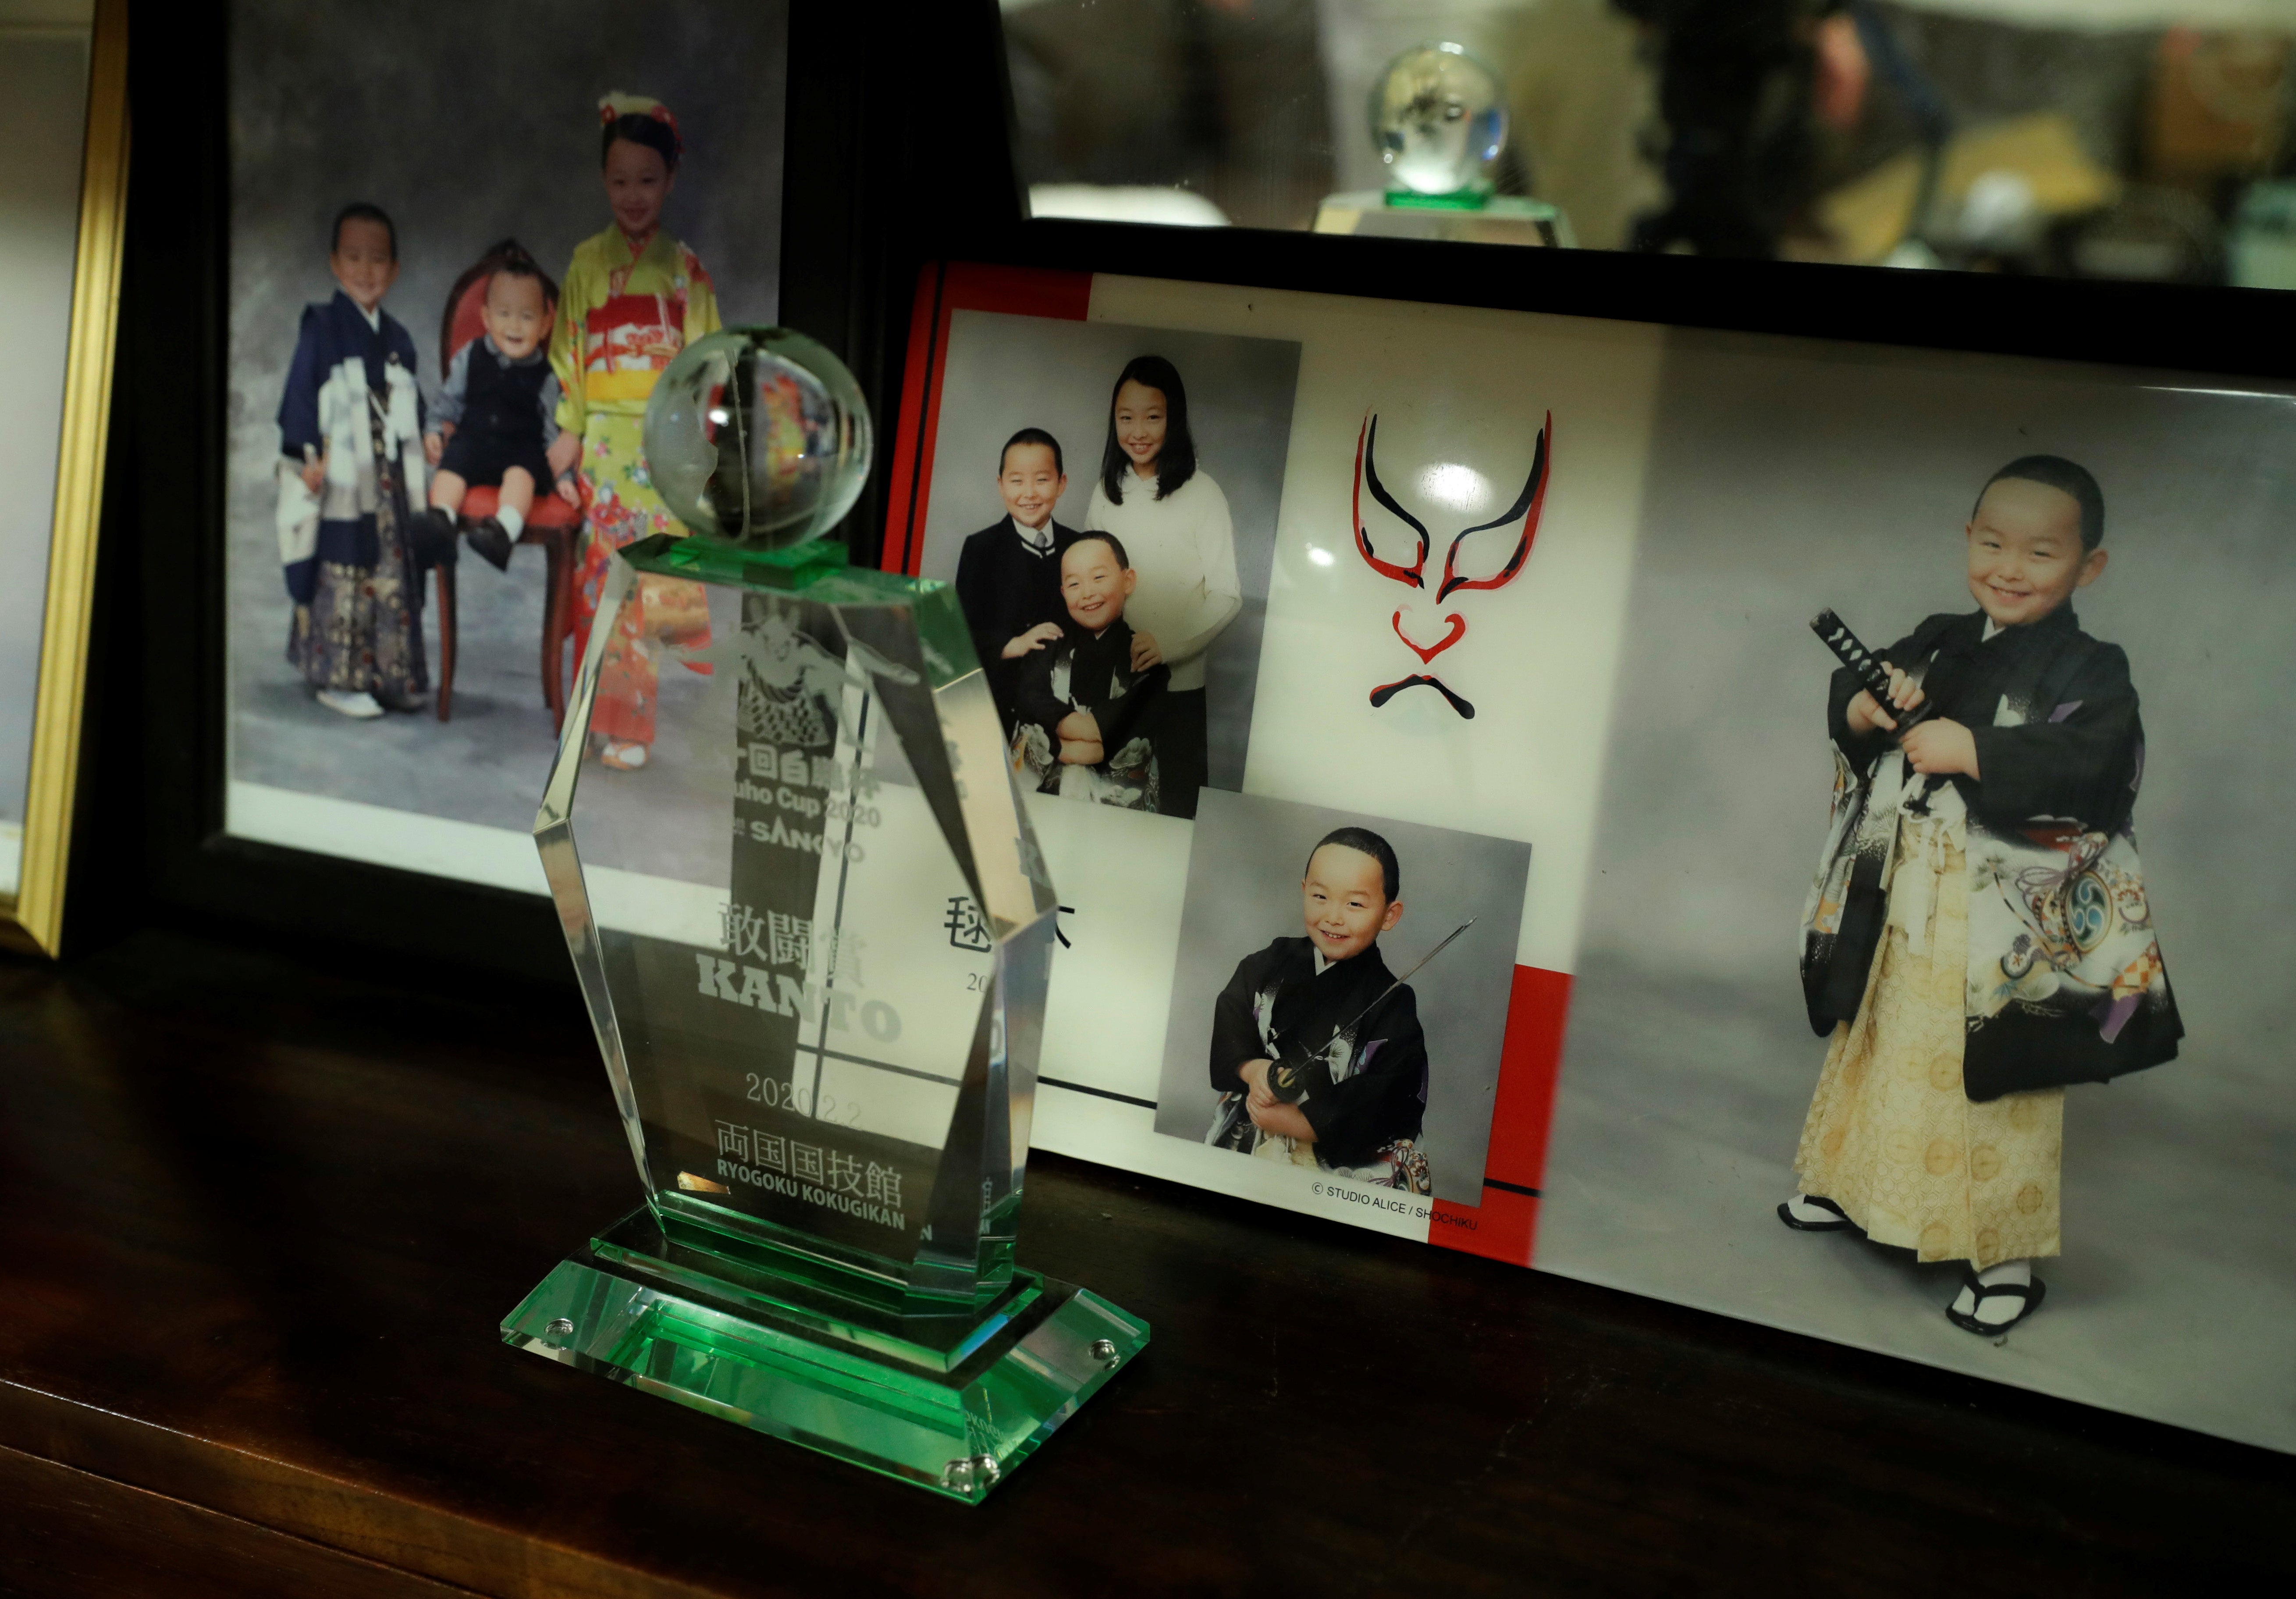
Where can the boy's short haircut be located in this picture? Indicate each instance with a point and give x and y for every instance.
(360, 210)
(1363, 840)
(2054, 472)
(655, 136)
(515, 262)
(1115, 546)
(1033, 435)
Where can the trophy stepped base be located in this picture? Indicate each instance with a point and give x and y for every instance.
(957, 1432)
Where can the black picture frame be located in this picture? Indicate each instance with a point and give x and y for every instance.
(898, 152)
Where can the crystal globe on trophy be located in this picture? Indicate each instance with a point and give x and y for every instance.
(758, 437)
(814, 933)
(1439, 118)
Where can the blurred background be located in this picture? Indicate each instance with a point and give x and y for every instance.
(2128, 139)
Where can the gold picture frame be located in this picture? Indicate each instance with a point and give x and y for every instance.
(32, 918)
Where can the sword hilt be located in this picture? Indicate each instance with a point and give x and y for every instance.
(1835, 635)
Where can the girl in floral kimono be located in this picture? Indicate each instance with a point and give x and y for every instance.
(350, 434)
(1978, 936)
(634, 297)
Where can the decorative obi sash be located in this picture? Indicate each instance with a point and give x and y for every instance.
(627, 342)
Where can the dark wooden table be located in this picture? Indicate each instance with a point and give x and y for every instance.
(265, 1207)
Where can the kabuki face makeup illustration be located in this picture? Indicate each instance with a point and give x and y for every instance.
(1428, 637)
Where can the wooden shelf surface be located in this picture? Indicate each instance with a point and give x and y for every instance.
(266, 1207)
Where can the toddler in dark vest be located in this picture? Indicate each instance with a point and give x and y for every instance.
(498, 414)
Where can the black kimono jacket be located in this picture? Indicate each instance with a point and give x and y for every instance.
(1091, 672)
(1005, 588)
(1278, 1003)
(2065, 981)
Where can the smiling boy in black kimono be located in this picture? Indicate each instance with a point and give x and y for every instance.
(1320, 1006)
(1978, 936)
(1084, 721)
(1008, 575)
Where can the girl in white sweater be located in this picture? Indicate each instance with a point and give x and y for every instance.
(1174, 521)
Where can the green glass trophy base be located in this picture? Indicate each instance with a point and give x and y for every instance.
(713, 561)
(1470, 216)
(954, 1412)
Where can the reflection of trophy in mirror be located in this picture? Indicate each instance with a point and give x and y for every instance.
(1438, 121)
(813, 934)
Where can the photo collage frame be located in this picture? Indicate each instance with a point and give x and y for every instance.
(1517, 606)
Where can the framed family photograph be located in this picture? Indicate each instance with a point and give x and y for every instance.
(63, 186)
(436, 387)
(352, 722)
(1460, 831)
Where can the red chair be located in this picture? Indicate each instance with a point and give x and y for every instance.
(553, 523)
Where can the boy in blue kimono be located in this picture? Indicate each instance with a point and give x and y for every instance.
(350, 432)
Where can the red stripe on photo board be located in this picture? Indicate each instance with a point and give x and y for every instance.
(943, 287)
(1505, 1225)
(1020, 291)
(920, 378)
(1501, 1227)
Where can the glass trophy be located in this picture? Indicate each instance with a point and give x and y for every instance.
(814, 933)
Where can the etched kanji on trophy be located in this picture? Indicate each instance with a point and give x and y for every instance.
(778, 774)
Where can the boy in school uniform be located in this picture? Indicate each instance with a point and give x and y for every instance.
(1978, 936)
(1084, 721)
(1319, 1064)
(1008, 575)
(497, 414)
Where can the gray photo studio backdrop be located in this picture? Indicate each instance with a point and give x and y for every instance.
(1245, 862)
(1007, 373)
(1781, 484)
(468, 123)
(44, 63)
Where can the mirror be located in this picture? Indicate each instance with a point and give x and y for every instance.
(61, 163)
(2124, 139)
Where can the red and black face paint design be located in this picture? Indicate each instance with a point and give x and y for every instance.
(1525, 510)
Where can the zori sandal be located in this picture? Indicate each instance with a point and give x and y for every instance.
(1839, 1223)
(1979, 1291)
